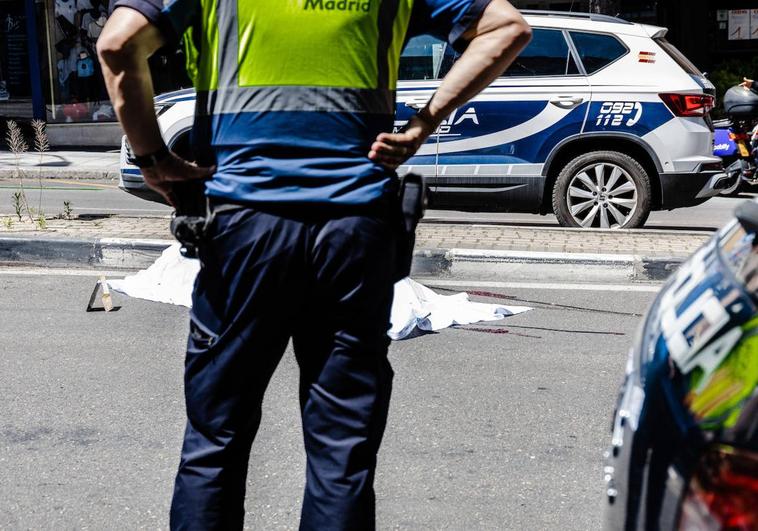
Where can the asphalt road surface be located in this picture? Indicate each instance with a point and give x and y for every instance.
(501, 426)
(85, 197)
(100, 197)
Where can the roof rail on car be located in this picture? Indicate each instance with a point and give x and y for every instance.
(573, 14)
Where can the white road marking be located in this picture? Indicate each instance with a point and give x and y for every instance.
(638, 288)
(164, 211)
(53, 272)
(429, 282)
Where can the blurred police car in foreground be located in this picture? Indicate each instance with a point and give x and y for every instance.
(684, 444)
(599, 120)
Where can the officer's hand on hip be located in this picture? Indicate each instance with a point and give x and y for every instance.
(171, 170)
(747, 84)
(393, 149)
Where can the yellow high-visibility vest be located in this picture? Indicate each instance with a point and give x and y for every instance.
(290, 55)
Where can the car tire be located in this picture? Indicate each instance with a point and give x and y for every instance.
(582, 197)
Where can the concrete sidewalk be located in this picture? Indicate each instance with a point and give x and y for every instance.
(89, 164)
(481, 252)
(650, 243)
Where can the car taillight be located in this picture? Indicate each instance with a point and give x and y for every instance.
(689, 105)
(723, 492)
(712, 166)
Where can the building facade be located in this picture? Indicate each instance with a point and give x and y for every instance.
(48, 64)
(699, 28)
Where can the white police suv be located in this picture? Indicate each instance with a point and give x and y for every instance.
(599, 120)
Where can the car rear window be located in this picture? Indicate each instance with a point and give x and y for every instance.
(596, 50)
(547, 55)
(678, 57)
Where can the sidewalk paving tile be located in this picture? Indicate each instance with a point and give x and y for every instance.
(429, 236)
(62, 164)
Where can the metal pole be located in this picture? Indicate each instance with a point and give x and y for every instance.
(50, 56)
(38, 100)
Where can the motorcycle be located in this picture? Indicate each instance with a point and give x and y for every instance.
(736, 139)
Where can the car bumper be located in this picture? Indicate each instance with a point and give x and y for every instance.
(131, 179)
(690, 189)
(135, 185)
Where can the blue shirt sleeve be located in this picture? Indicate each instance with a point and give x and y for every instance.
(446, 20)
(172, 19)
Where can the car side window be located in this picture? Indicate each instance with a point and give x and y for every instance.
(425, 57)
(596, 50)
(547, 55)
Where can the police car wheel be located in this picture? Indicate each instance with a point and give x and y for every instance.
(604, 190)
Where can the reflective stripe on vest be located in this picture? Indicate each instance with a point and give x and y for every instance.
(301, 55)
(293, 98)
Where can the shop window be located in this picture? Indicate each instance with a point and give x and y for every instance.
(15, 88)
(78, 91)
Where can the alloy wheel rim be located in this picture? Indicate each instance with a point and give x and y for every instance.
(602, 196)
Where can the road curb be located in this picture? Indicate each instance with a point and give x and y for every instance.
(647, 231)
(105, 253)
(475, 264)
(463, 264)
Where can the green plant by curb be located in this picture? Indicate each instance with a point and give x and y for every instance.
(18, 146)
(41, 145)
(18, 204)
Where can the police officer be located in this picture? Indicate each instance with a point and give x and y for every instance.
(295, 100)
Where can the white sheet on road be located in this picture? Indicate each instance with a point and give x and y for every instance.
(415, 309)
(170, 279)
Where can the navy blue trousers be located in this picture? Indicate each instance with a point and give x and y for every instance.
(326, 284)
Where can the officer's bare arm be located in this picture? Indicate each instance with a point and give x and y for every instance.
(124, 46)
(494, 43)
(127, 41)
(495, 40)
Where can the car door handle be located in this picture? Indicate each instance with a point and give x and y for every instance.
(567, 102)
